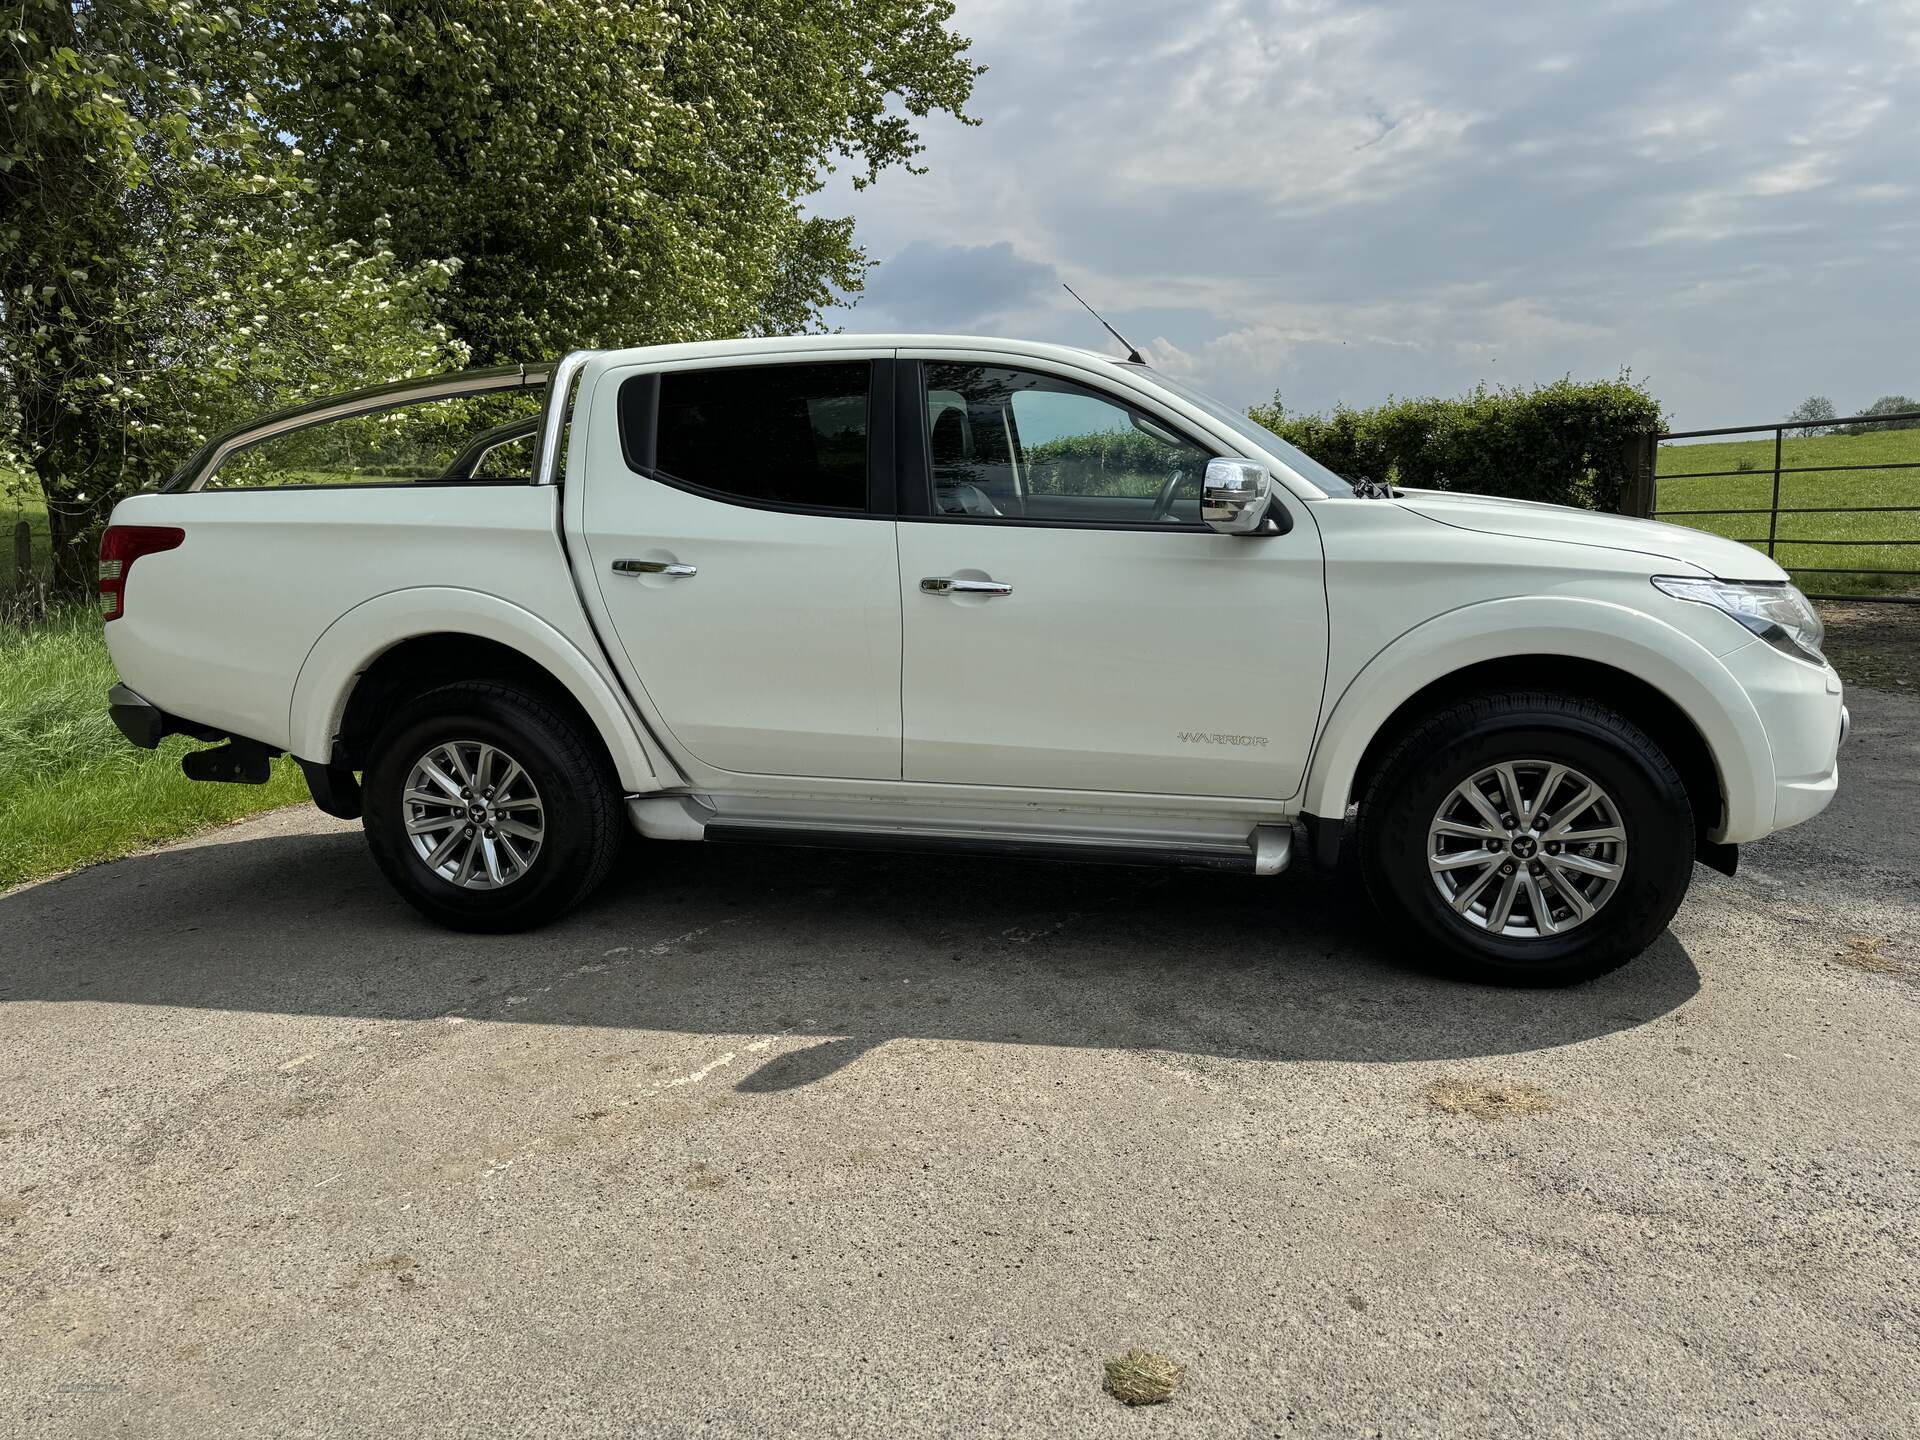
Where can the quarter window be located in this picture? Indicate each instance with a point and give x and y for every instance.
(509, 460)
(773, 434)
(1017, 444)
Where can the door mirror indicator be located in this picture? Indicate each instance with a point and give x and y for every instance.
(1235, 496)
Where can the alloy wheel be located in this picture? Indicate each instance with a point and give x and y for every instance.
(1527, 849)
(473, 815)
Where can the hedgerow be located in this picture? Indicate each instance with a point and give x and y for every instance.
(1569, 443)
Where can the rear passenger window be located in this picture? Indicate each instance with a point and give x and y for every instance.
(771, 434)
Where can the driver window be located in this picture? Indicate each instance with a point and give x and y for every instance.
(1017, 444)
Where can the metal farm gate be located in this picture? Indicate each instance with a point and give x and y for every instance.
(1648, 494)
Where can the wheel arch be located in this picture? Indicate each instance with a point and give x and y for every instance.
(1661, 679)
(395, 646)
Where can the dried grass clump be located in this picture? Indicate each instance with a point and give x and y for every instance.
(1863, 952)
(1487, 1099)
(1140, 1377)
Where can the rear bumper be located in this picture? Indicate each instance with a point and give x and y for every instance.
(145, 724)
(138, 718)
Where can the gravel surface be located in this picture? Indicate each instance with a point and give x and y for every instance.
(834, 1144)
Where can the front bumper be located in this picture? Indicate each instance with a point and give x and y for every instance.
(1802, 709)
(1801, 797)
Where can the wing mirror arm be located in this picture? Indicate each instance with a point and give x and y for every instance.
(1237, 497)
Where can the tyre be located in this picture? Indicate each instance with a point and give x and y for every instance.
(1527, 838)
(488, 809)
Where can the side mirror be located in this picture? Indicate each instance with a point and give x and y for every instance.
(1235, 496)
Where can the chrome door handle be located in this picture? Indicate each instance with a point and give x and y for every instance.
(654, 567)
(943, 585)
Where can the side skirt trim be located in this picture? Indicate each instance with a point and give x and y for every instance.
(1266, 851)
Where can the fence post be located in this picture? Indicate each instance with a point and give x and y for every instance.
(23, 553)
(1636, 495)
(1773, 515)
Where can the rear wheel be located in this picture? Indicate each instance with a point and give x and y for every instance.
(488, 810)
(1531, 839)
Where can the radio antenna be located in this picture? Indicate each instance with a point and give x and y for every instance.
(1133, 354)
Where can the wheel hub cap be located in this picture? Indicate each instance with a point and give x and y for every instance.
(473, 816)
(1527, 849)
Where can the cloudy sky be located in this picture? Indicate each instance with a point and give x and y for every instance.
(1345, 200)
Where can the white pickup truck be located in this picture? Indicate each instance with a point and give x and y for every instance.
(976, 595)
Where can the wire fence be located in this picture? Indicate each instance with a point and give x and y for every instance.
(23, 581)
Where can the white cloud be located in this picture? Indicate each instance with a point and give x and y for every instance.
(1302, 104)
(1342, 199)
(1164, 355)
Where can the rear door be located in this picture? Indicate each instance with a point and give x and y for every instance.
(740, 534)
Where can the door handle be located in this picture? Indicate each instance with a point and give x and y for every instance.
(654, 567)
(943, 585)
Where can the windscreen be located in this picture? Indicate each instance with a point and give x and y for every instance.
(1301, 463)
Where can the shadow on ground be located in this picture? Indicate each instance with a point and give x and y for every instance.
(862, 948)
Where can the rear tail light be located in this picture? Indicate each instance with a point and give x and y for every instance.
(120, 546)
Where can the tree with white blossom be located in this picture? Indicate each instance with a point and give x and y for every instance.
(210, 208)
(162, 268)
(623, 172)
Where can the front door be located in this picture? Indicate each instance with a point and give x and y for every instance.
(733, 532)
(1069, 622)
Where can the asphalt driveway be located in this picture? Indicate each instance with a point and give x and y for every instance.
(768, 1142)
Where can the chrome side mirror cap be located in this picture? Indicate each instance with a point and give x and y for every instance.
(1235, 496)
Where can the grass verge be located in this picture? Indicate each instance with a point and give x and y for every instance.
(72, 790)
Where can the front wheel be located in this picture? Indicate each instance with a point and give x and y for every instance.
(1533, 839)
(488, 809)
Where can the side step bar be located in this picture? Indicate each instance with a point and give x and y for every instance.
(1266, 852)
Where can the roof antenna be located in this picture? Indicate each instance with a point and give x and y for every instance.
(1134, 357)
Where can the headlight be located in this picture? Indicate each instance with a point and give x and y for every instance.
(1777, 613)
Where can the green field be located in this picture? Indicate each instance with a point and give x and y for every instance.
(1754, 489)
(73, 791)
